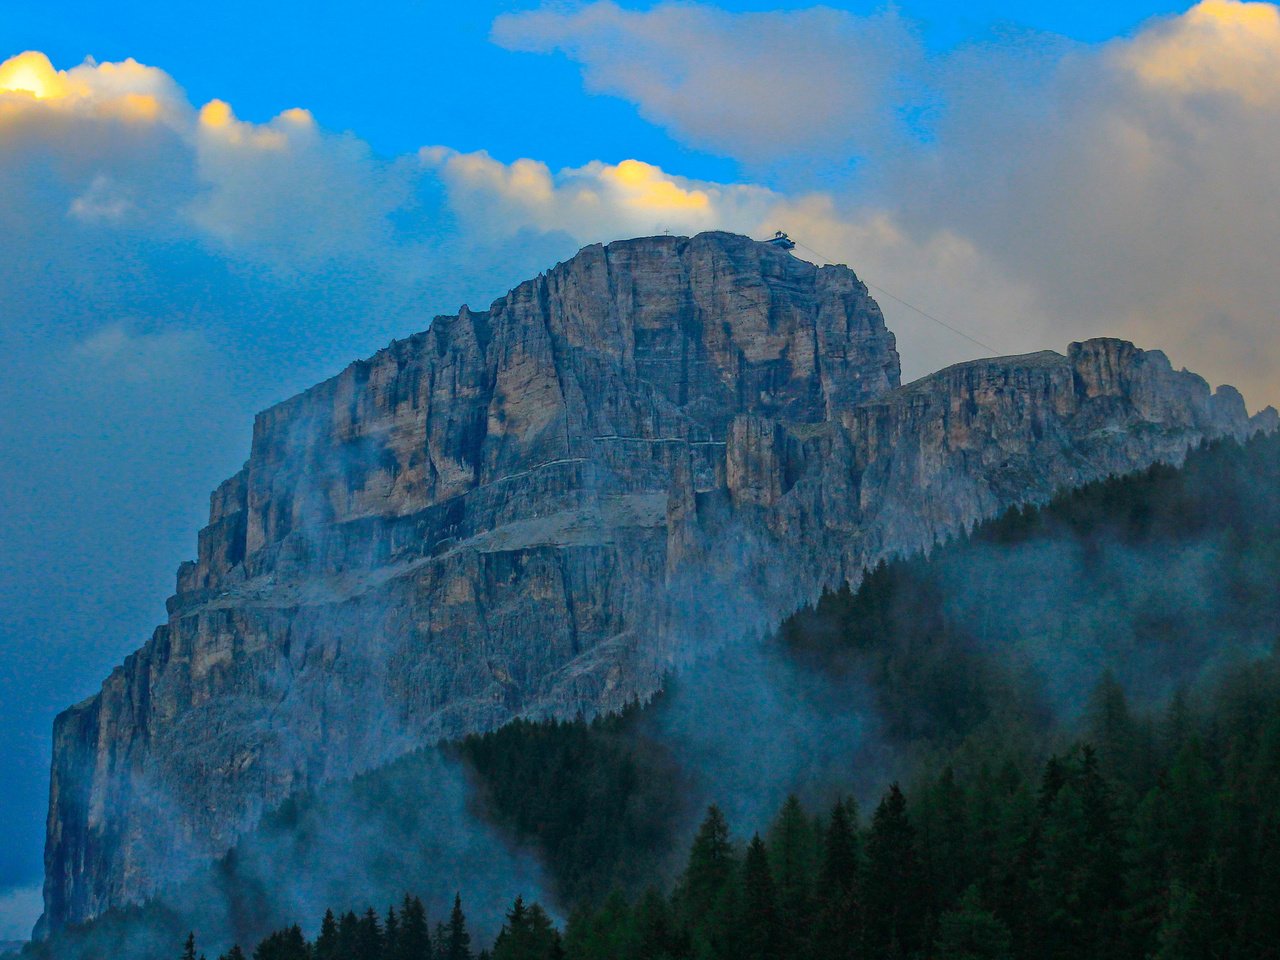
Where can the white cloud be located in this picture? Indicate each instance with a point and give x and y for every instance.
(754, 86)
(118, 352)
(1065, 190)
(105, 200)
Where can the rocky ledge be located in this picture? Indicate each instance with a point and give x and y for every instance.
(540, 509)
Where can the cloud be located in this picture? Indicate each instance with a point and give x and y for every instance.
(598, 201)
(127, 90)
(289, 192)
(1060, 190)
(166, 270)
(752, 86)
(1218, 47)
(119, 353)
(1124, 184)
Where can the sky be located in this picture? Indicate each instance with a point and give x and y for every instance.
(206, 210)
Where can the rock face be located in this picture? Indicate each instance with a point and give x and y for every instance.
(539, 509)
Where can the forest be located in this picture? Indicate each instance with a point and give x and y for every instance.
(1158, 835)
(1056, 735)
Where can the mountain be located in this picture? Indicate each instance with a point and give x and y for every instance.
(1135, 616)
(652, 450)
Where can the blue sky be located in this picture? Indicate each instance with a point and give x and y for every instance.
(405, 73)
(178, 252)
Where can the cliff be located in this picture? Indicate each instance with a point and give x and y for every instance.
(541, 508)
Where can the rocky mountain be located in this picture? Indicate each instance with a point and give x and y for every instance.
(540, 509)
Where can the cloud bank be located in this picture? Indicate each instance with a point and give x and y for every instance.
(746, 85)
(1042, 189)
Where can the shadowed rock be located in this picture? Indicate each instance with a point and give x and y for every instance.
(539, 509)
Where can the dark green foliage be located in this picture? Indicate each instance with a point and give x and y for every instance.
(286, 944)
(415, 933)
(528, 934)
(369, 939)
(1134, 616)
(455, 943)
(969, 931)
(896, 894)
(763, 928)
(602, 800)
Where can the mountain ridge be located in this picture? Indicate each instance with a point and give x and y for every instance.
(657, 445)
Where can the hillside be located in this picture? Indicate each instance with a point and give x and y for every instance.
(1137, 615)
(648, 452)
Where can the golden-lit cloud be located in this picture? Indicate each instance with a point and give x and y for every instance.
(596, 201)
(1218, 47)
(217, 119)
(31, 73)
(127, 90)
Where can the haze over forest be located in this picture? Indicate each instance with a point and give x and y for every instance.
(200, 223)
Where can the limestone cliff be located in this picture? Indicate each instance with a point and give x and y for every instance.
(540, 508)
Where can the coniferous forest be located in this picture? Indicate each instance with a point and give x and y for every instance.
(1071, 749)
(1158, 836)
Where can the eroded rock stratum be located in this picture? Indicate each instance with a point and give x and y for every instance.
(542, 508)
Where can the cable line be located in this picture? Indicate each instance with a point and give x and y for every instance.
(910, 306)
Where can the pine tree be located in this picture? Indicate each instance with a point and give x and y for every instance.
(326, 945)
(415, 932)
(528, 934)
(894, 891)
(840, 856)
(709, 868)
(348, 935)
(944, 840)
(456, 944)
(654, 929)
(288, 944)
(391, 935)
(189, 949)
(760, 927)
(838, 927)
(707, 896)
(369, 937)
(792, 857)
(235, 953)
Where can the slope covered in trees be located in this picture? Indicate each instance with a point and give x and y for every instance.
(1174, 858)
(1061, 693)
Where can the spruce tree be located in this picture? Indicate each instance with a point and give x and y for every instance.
(189, 949)
(415, 932)
(792, 856)
(838, 927)
(456, 944)
(760, 928)
(709, 868)
(391, 935)
(348, 935)
(369, 937)
(655, 933)
(894, 891)
(326, 945)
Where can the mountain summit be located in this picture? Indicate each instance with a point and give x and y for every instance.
(540, 509)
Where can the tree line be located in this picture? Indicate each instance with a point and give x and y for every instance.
(1158, 838)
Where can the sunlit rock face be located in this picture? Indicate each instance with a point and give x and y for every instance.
(542, 508)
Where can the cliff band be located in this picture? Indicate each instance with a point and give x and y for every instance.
(541, 508)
